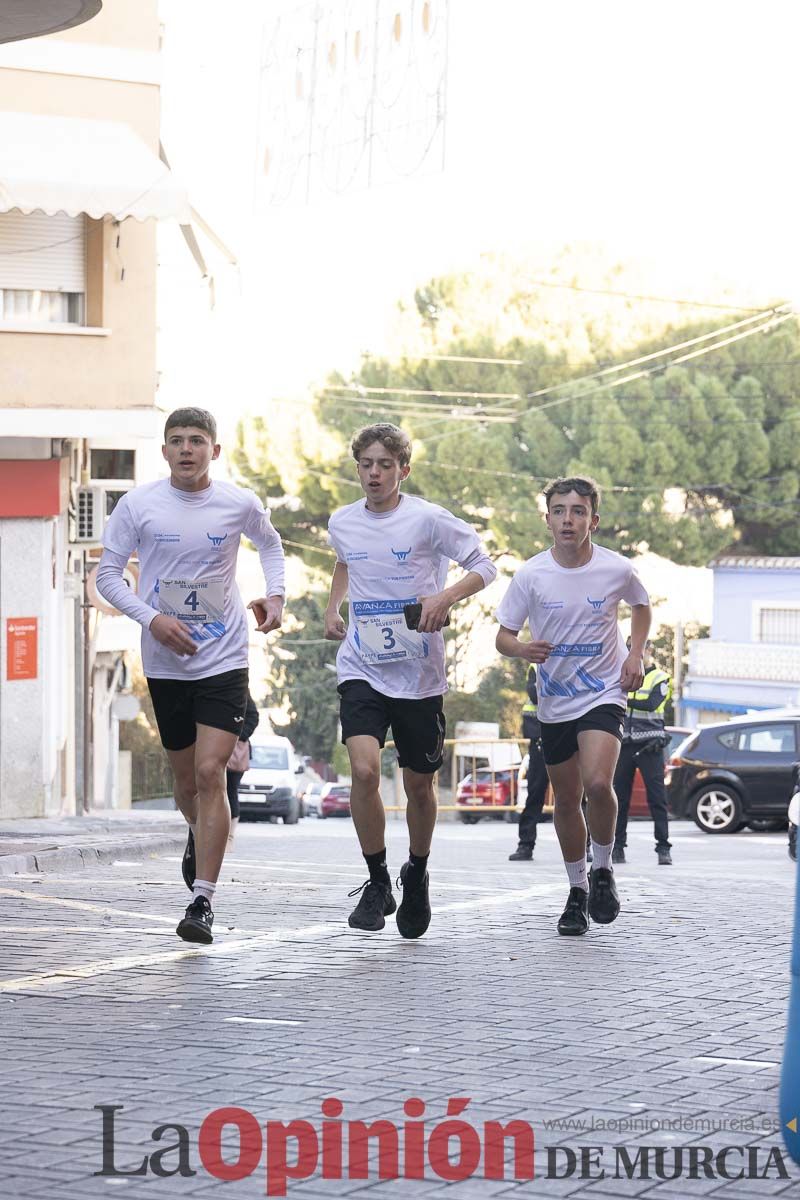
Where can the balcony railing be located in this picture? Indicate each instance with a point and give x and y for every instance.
(744, 660)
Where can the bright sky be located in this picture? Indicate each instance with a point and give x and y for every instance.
(660, 132)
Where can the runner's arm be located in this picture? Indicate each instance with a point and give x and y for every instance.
(459, 541)
(167, 630)
(633, 668)
(266, 539)
(508, 644)
(335, 628)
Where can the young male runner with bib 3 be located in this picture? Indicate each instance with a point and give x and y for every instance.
(569, 596)
(392, 551)
(186, 531)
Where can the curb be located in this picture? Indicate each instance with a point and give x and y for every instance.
(76, 858)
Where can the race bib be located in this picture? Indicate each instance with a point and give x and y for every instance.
(198, 602)
(381, 633)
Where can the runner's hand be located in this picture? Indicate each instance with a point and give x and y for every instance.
(435, 610)
(335, 628)
(268, 612)
(173, 634)
(535, 652)
(632, 673)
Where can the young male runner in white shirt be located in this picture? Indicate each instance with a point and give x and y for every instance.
(569, 596)
(186, 531)
(393, 550)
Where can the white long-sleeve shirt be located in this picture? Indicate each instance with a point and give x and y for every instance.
(187, 544)
(392, 559)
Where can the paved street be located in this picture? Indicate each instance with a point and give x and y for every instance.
(674, 1016)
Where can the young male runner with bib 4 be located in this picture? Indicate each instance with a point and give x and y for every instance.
(569, 596)
(393, 551)
(186, 531)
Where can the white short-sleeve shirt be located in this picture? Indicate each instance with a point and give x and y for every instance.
(575, 609)
(392, 560)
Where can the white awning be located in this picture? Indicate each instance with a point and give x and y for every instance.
(75, 165)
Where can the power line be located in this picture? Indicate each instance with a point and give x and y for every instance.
(574, 287)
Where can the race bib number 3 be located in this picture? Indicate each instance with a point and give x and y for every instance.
(198, 602)
(381, 633)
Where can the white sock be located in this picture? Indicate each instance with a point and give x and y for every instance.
(576, 873)
(203, 887)
(602, 854)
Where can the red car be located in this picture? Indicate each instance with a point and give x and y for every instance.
(639, 806)
(485, 790)
(334, 800)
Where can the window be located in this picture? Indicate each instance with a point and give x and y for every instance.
(42, 269)
(112, 464)
(780, 626)
(729, 738)
(767, 739)
(269, 758)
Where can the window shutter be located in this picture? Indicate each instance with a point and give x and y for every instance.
(42, 253)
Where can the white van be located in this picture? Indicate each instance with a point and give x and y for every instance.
(269, 788)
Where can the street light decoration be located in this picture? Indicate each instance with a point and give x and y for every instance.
(351, 96)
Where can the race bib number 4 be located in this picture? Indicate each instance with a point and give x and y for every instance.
(381, 634)
(198, 602)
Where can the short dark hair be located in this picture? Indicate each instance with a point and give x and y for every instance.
(581, 484)
(392, 437)
(198, 418)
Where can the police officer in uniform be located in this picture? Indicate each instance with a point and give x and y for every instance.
(643, 741)
(537, 773)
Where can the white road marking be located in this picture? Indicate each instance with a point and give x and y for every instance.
(259, 1021)
(736, 1062)
(276, 937)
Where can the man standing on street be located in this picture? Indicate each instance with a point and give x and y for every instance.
(536, 774)
(643, 740)
(393, 552)
(186, 531)
(570, 595)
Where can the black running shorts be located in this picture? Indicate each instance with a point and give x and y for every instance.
(560, 738)
(181, 705)
(418, 726)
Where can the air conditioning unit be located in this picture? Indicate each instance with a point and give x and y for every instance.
(93, 506)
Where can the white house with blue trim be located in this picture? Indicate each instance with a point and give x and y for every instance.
(752, 659)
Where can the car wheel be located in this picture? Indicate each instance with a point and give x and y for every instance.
(768, 824)
(468, 818)
(717, 809)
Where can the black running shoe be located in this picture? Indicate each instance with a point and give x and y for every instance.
(376, 903)
(196, 924)
(414, 913)
(574, 921)
(603, 898)
(189, 866)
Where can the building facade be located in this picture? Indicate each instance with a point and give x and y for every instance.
(752, 659)
(81, 189)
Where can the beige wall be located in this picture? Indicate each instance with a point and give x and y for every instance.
(68, 370)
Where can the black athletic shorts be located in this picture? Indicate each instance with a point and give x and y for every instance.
(182, 704)
(560, 738)
(418, 726)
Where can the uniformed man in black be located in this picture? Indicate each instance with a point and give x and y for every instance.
(643, 741)
(537, 773)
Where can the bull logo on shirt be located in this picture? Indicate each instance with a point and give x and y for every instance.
(216, 541)
(401, 555)
(596, 604)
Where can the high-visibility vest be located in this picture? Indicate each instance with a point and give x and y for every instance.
(531, 707)
(642, 722)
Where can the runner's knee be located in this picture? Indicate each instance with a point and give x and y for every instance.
(366, 774)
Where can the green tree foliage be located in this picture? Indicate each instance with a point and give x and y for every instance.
(300, 673)
(693, 458)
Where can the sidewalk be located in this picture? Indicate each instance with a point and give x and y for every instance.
(72, 843)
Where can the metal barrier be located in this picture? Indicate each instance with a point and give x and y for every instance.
(499, 801)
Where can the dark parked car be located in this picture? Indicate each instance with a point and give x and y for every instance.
(639, 806)
(737, 773)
